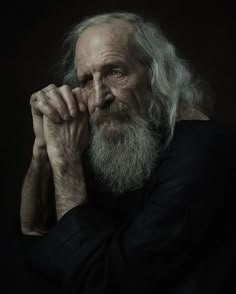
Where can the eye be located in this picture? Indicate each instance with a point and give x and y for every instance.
(116, 72)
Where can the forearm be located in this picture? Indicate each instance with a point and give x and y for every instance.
(69, 186)
(34, 211)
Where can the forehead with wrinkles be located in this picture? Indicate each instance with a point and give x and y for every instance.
(114, 37)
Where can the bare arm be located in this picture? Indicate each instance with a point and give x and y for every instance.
(65, 145)
(35, 199)
(70, 187)
(60, 139)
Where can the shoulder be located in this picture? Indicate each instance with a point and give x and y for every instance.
(198, 165)
(195, 136)
(199, 145)
(188, 131)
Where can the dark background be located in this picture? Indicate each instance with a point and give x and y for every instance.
(31, 35)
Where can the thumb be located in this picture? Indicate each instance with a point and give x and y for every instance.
(79, 98)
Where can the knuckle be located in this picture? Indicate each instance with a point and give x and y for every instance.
(39, 93)
(51, 112)
(52, 90)
(65, 87)
(34, 97)
(40, 103)
(51, 86)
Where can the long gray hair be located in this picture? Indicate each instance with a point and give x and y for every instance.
(174, 89)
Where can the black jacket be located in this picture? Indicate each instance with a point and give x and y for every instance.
(176, 235)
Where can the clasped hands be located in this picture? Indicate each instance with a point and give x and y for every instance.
(60, 123)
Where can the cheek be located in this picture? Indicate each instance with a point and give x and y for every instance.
(125, 95)
(129, 94)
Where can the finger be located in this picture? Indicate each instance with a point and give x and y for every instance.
(69, 99)
(49, 88)
(40, 106)
(56, 100)
(82, 106)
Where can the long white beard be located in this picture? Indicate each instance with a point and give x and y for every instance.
(122, 153)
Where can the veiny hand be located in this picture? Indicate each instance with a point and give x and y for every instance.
(66, 141)
(57, 104)
(61, 124)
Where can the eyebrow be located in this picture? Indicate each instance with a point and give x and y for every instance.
(104, 68)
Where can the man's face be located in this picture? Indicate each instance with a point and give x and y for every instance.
(114, 85)
(110, 74)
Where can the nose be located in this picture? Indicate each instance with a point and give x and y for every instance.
(102, 95)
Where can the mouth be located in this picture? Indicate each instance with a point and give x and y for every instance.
(112, 119)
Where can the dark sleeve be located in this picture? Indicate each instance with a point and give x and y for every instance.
(87, 254)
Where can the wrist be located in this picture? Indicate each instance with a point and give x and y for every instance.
(69, 186)
(65, 164)
(39, 149)
(40, 156)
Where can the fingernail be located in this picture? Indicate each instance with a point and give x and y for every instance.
(73, 113)
(82, 107)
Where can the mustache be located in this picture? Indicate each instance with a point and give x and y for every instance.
(115, 111)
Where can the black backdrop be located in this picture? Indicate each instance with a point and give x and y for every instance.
(31, 34)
